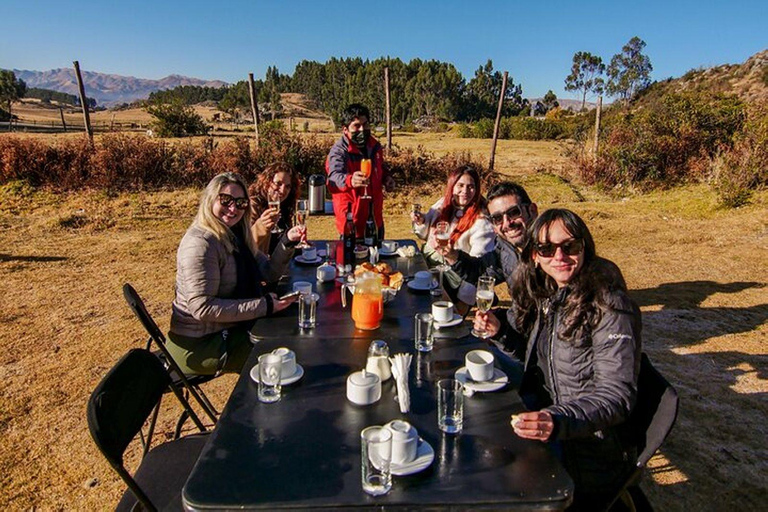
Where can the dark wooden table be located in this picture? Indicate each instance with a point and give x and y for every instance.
(303, 452)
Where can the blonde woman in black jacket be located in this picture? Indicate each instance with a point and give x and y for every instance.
(581, 337)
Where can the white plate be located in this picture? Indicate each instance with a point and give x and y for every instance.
(412, 286)
(299, 373)
(383, 252)
(300, 259)
(424, 457)
(456, 320)
(498, 381)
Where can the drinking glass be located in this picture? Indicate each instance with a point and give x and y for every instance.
(376, 455)
(270, 368)
(274, 202)
(442, 237)
(422, 332)
(308, 310)
(484, 300)
(365, 170)
(450, 406)
(302, 212)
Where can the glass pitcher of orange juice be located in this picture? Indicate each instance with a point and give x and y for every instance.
(367, 301)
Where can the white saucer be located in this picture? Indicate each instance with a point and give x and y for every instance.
(300, 259)
(412, 286)
(498, 381)
(382, 252)
(424, 457)
(299, 373)
(456, 320)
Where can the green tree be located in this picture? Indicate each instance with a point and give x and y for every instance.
(629, 71)
(11, 89)
(585, 75)
(482, 95)
(175, 119)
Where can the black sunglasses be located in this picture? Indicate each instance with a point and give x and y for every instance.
(226, 200)
(571, 247)
(514, 212)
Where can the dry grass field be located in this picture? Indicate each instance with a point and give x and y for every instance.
(698, 272)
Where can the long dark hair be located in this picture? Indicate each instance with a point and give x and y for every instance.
(259, 190)
(472, 211)
(588, 291)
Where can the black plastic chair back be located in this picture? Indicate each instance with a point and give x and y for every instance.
(140, 310)
(655, 413)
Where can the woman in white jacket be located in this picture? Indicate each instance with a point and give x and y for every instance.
(462, 208)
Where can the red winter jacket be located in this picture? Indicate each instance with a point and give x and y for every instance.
(344, 160)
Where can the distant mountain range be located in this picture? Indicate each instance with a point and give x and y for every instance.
(107, 90)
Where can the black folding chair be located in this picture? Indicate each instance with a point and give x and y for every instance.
(117, 411)
(652, 420)
(190, 383)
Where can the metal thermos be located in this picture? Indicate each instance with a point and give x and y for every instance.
(316, 193)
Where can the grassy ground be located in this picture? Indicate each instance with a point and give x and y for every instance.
(698, 272)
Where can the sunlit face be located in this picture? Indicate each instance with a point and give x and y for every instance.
(464, 191)
(281, 184)
(561, 267)
(359, 124)
(229, 215)
(510, 218)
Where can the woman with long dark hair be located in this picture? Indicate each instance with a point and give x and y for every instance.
(219, 281)
(462, 208)
(582, 353)
(277, 181)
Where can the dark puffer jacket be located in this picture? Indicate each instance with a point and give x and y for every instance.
(593, 381)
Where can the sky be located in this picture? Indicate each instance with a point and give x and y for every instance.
(533, 40)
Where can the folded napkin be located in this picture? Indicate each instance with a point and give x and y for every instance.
(374, 255)
(407, 251)
(401, 365)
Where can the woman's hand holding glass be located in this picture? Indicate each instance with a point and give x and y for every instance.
(274, 204)
(268, 218)
(297, 233)
(487, 322)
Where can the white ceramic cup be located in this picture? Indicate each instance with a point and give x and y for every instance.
(363, 388)
(422, 279)
(289, 361)
(303, 287)
(405, 441)
(442, 311)
(479, 363)
(309, 253)
(389, 245)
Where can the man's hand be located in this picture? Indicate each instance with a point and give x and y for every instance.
(359, 180)
(537, 425)
(487, 322)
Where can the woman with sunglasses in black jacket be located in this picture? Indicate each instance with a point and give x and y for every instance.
(581, 333)
(219, 281)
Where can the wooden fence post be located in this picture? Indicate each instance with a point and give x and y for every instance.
(63, 122)
(597, 127)
(498, 122)
(254, 107)
(388, 112)
(83, 102)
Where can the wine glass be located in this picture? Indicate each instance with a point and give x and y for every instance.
(442, 237)
(302, 211)
(365, 170)
(415, 209)
(274, 202)
(484, 300)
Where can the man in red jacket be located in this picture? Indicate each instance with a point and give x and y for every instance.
(345, 181)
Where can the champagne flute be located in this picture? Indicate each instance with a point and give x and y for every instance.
(274, 202)
(365, 170)
(415, 209)
(302, 211)
(484, 300)
(442, 237)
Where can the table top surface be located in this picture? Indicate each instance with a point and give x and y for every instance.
(304, 451)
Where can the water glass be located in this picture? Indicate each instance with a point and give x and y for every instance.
(308, 310)
(270, 370)
(303, 287)
(376, 457)
(422, 332)
(450, 406)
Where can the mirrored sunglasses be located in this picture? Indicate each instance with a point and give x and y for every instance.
(570, 247)
(226, 200)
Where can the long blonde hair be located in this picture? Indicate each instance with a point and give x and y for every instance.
(206, 220)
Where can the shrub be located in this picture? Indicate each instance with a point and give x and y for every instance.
(176, 119)
(483, 129)
(464, 130)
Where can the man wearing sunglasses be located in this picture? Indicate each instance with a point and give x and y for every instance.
(510, 210)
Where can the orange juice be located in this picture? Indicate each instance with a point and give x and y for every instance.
(365, 166)
(367, 310)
